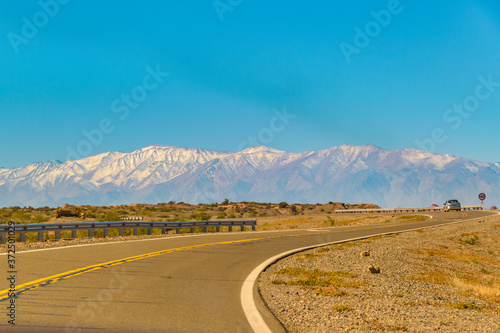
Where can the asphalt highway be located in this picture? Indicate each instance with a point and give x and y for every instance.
(172, 284)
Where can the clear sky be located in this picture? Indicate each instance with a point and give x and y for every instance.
(80, 77)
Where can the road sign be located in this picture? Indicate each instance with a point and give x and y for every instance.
(482, 196)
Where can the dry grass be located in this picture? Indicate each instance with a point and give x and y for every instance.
(330, 292)
(474, 240)
(413, 218)
(433, 276)
(315, 219)
(307, 257)
(376, 325)
(479, 272)
(457, 256)
(303, 272)
(460, 305)
(320, 282)
(342, 308)
(489, 289)
(317, 278)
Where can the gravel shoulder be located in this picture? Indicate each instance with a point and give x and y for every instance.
(443, 279)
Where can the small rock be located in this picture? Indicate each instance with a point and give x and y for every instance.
(373, 269)
(365, 254)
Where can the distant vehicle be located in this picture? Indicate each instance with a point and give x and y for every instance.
(452, 205)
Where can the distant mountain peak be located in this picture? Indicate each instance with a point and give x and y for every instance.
(258, 149)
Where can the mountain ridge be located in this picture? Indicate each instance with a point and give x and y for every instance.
(346, 173)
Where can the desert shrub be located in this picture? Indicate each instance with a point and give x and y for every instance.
(147, 212)
(283, 204)
(40, 219)
(111, 216)
(21, 216)
(330, 220)
(201, 216)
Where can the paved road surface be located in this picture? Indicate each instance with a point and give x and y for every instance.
(173, 284)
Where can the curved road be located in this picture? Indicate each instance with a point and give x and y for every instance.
(172, 284)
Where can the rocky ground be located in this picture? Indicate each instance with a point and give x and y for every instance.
(443, 279)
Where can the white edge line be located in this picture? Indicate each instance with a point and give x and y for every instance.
(247, 300)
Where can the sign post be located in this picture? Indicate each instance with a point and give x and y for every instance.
(482, 197)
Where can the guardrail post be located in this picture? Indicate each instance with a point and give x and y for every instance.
(58, 234)
(91, 233)
(230, 228)
(22, 237)
(253, 227)
(150, 231)
(242, 228)
(163, 231)
(40, 236)
(217, 228)
(3, 238)
(192, 230)
(106, 232)
(136, 231)
(177, 230)
(120, 231)
(73, 234)
(205, 229)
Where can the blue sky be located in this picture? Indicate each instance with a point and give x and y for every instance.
(243, 72)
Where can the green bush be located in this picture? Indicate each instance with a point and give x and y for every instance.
(111, 216)
(40, 219)
(201, 216)
(147, 212)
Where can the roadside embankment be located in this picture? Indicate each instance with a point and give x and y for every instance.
(445, 279)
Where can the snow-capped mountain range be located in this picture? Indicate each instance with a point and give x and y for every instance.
(347, 173)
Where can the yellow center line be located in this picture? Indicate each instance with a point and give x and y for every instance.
(22, 288)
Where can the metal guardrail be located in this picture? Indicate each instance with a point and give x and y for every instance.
(403, 210)
(41, 228)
